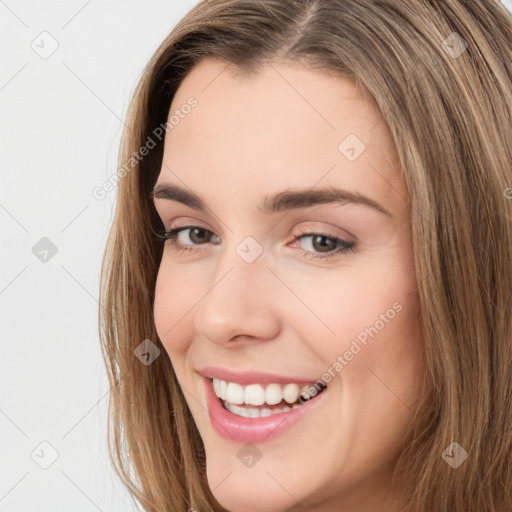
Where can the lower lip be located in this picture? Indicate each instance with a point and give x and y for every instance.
(254, 430)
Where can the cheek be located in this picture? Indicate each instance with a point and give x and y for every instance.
(340, 310)
(364, 324)
(175, 298)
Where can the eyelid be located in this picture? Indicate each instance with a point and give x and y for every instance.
(186, 222)
(317, 228)
(312, 228)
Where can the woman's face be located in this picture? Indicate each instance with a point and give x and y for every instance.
(282, 284)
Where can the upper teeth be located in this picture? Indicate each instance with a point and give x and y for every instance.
(257, 394)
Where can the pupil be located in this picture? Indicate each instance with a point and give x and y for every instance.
(330, 245)
(195, 231)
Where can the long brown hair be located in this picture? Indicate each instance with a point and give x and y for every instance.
(441, 74)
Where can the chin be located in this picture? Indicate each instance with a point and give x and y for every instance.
(245, 491)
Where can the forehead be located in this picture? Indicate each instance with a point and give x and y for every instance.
(284, 126)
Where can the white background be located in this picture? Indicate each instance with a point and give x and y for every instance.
(59, 134)
(61, 120)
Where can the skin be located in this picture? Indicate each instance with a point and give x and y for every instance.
(287, 313)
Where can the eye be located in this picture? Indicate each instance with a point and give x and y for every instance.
(326, 244)
(197, 236)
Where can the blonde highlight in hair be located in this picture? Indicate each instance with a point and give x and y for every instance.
(451, 120)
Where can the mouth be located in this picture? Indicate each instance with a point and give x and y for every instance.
(255, 408)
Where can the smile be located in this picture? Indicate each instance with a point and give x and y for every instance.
(252, 412)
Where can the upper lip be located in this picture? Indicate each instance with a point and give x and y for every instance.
(250, 376)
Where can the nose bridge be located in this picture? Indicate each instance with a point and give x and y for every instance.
(238, 300)
(244, 257)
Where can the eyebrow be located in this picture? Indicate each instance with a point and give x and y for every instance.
(281, 201)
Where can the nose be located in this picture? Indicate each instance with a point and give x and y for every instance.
(240, 304)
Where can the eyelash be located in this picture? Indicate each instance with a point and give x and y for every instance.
(171, 235)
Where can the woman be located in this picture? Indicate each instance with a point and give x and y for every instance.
(306, 292)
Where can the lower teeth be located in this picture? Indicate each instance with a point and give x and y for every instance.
(255, 412)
